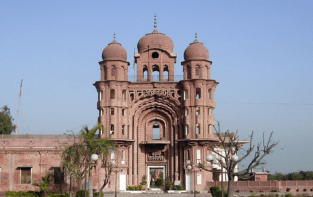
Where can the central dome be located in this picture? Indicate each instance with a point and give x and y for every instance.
(155, 40)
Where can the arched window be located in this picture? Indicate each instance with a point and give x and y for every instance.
(186, 112)
(123, 112)
(112, 111)
(165, 72)
(123, 129)
(188, 72)
(145, 72)
(113, 71)
(198, 111)
(112, 129)
(185, 94)
(124, 94)
(156, 132)
(186, 129)
(198, 93)
(210, 129)
(197, 70)
(101, 112)
(100, 95)
(209, 111)
(155, 73)
(112, 94)
(188, 155)
(198, 129)
(210, 94)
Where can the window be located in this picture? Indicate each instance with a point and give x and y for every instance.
(155, 73)
(26, 175)
(124, 94)
(210, 94)
(101, 112)
(113, 157)
(198, 111)
(123, 129)
(112, 129)
(123, 112)
(112, 111)
(100, 130)
(198, 155)
(198, 129)
(145, 72)
(123, 157)
(112, 94)
(188, 72)
(198, 179)
(58, 176)
(210, 129)
(156, 132)
(188, 154)
(186, 129)
(198, 93)
(100, 95)
(186, 112)
(165, 72)
(209, 111)
(197, 70)
(185, 94)
(113, 71)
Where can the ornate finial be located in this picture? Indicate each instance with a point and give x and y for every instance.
(196, 36)
(114, 35)
(155, 21)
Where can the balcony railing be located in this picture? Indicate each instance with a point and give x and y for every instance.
(157, 78)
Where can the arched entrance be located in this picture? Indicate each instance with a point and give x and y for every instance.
(155, 124)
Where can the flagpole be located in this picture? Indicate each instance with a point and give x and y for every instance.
(18, 109)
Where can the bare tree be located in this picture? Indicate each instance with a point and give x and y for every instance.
(231, 145)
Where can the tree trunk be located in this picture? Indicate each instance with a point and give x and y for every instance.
(104, 184)
(90, 185)
(230, 189)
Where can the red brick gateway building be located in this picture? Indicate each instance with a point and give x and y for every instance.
(160, 122)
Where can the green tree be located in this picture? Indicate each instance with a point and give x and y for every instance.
(76, 158)
(44, 186)
(6, 125)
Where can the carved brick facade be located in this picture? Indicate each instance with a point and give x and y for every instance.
(161, 124)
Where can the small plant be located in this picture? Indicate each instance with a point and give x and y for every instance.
(44, 186)
(288, 189)
(144, 180)
(160, 182)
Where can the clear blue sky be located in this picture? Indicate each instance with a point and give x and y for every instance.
(261, 51)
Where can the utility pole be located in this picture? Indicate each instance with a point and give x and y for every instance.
(18, 108)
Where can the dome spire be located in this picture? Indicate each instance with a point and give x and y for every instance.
(155, 21)
(196, 37)
(114, 35)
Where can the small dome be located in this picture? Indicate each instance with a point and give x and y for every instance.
(114, 51)
(196, 50)
(155, 40)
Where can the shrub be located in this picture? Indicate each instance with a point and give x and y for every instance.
(96, 194)
(130, 188)
(289, 195)
(81, 193)
(11, 193)
(160, 182)
(216, 192)
(59, 195)
(22, 194)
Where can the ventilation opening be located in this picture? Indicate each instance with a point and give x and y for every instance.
(155, 55)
